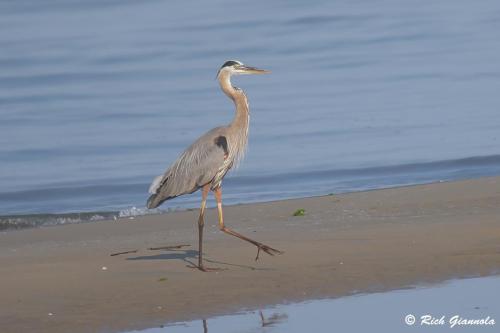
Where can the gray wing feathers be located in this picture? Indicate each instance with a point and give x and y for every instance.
(196, 167)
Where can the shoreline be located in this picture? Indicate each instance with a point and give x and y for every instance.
(368, 241)
(358, 179)
(97, 216)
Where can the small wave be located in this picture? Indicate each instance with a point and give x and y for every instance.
(463, 167)
(134, 211)
(15, 222)
(12, 222)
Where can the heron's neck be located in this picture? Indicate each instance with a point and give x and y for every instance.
(238, 129)
(241, 118)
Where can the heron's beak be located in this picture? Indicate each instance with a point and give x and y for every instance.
(243, 69)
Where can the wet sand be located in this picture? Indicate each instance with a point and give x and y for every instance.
(52, 279)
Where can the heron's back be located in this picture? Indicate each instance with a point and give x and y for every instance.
(197, 166)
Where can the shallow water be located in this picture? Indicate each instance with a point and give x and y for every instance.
(468, 299)
(98, 97)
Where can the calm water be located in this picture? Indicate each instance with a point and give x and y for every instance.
(98, 97)
(471, 299)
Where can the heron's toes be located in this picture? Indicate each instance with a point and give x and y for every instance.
(267, 249)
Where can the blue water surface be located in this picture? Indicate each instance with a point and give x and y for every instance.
(98, 97)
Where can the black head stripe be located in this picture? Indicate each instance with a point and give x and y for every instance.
(230, 63)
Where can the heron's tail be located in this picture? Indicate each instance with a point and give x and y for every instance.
(157, 196)
(153, 201)
(165, 191)
(157, 199)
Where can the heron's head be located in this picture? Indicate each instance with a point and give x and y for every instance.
(235, 67)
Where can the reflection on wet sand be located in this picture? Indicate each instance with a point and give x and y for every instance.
(273, 319)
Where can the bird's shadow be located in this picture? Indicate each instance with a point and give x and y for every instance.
(190, 257)
(183, 255)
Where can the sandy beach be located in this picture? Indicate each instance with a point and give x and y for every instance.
(63, 279)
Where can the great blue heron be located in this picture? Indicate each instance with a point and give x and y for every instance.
(204, 164)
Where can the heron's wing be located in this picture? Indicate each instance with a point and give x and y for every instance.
(196, 166)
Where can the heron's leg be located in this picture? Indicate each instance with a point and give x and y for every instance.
(201, 224)
(269, 250)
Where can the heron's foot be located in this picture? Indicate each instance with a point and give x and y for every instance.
(267, 249)
(203, 268)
